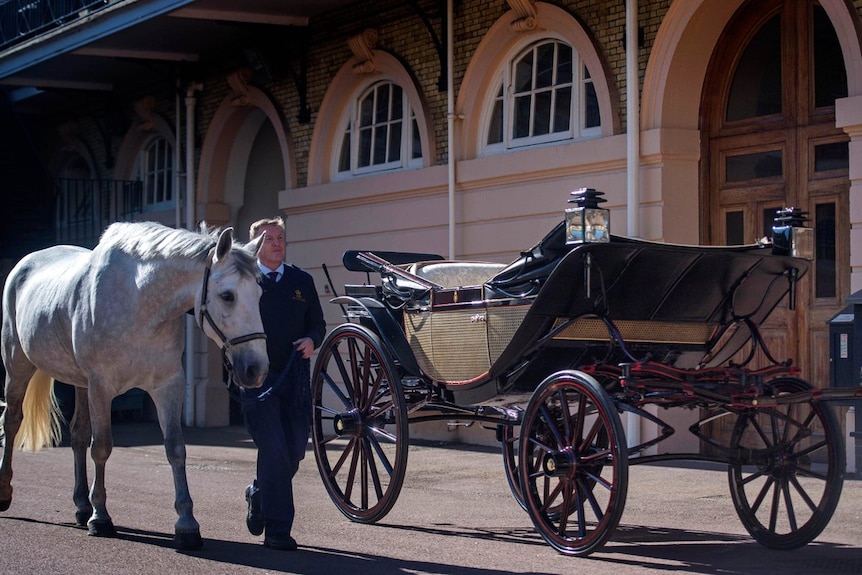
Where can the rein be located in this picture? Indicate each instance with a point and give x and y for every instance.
(224, 343)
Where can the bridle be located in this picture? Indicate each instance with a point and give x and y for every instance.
(224, 343)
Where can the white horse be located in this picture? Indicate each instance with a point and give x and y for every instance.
(111, 319)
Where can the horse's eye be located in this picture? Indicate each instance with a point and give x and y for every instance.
(228, 296)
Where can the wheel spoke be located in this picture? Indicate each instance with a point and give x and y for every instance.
(375, 444)
(372, 470)
(773, 511)
(351, 473)
(803, 494)
(348, 450)
(334, 387)
(551, 421)
(788, 504)
(381, 433)
(755, 505)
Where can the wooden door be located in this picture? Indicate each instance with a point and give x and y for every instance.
(769, 141)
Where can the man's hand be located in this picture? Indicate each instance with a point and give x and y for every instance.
(305, 346)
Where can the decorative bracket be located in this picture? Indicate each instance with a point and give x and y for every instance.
(238, 81)
(526, 12)
(363, 45)
(144, 111)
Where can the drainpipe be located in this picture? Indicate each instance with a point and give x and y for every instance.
(633, 431)
(191, 373)
(178, 207)
(450, 123)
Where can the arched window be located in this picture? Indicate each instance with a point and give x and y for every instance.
(381, 133)
(155, 169)
(545, 94)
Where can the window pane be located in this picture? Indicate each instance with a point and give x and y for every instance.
(544, 65)
(364, 159)
(416, 145)
(394, 142)
(344, 157)
(156, 172)
(564, 64)
(753, 166)
(524, 74)
(380, 145)
(397, 103)
(592, 117)
(383, 104)
(830, 76)
(768, 221)
(522, 117)
(495, 127)
(825, 282)
(834, 156)
(366, 109)
(734, 229)
(542, 114)
(563, 110)
(756, 87)
(150, 184)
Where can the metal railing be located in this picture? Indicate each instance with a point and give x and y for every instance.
(84, 208)
(21, 20)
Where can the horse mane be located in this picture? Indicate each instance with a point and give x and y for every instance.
(152, 240)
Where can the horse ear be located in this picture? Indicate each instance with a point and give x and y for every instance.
(254, 245)
(225, 241)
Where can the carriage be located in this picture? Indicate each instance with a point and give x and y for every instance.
(548, 352)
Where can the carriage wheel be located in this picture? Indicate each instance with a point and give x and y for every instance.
(573, 463)
(786, 486)
(510, 462)
(359, 425)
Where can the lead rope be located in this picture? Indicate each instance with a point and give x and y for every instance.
(234, 390)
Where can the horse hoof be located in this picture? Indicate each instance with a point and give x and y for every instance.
(81, 518)
(188, 540)
(101, 529)
(5, 503)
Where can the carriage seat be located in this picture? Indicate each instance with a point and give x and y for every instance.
(452, 274)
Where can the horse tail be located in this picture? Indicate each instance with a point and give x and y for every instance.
(41, 425)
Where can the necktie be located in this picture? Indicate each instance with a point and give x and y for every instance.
(273, 276)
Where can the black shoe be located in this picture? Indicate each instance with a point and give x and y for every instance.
(280, 542)
(254, 516)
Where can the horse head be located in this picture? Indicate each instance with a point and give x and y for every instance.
(228, 309)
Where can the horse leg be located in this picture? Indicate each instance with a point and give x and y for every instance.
(10, 423)
(169, 401)
(100, 523)
(81, 435)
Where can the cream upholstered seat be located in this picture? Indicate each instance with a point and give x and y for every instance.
(452, 274)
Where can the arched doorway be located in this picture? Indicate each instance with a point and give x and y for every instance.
(770, 141)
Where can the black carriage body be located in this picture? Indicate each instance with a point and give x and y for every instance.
(479, 331)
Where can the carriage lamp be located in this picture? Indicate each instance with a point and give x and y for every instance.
(790, 237)
(587, 222)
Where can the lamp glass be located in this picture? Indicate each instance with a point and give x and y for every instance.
(587, 225)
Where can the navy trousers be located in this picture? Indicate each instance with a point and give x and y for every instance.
(278, 418)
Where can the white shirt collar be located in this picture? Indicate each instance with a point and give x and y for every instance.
(265, 270)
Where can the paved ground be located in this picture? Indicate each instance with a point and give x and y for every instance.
(455, 516)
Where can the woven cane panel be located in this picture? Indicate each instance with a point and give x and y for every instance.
(502, 324)
(417, 328)
(450, 345)
(592, 329)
